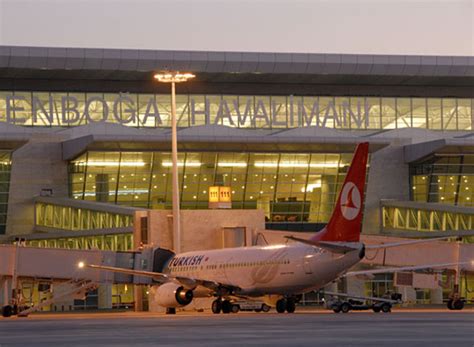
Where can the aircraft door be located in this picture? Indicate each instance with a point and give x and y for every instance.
(307, 259)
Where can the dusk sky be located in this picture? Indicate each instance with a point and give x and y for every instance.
(436, 27)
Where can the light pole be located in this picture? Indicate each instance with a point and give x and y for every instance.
(173, 78)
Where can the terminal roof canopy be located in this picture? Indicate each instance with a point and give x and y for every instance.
(236, 67)
(219, 138)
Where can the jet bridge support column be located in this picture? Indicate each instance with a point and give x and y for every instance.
(138, 295)
(4, 291)
(436, 295)
(104, 293)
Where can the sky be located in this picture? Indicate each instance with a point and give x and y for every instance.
(421, 27)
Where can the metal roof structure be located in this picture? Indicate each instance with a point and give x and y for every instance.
(233, 62)
(233, 71)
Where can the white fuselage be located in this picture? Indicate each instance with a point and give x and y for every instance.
(280, 269)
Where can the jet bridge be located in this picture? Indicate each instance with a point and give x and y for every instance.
(60, 266)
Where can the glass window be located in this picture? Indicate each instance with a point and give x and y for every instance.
(404, 119)
(444, 179)
(247, 111)
(279, 112)
(5, 169)
(434, 114)
(20, 107)
(450, 116)
(419, 112)
(388, 113)
(296, 187)
(308, 111)
(465, 114)
(328, 115)
(374, 111)
(262, 112)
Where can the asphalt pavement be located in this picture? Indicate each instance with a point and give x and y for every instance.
(404, 328)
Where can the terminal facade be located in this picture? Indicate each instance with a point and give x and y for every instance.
(85, 142)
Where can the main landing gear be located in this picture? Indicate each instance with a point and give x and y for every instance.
(9, 310)
(225, 306)
(286, 304)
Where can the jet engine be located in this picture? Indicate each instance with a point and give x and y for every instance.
(172, 295)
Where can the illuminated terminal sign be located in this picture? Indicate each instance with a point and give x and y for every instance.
(220, 197)
(148, 110)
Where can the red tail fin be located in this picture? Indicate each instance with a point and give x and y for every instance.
(346, 220)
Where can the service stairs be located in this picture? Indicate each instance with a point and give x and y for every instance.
(66, 289)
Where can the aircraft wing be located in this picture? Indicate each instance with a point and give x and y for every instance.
(398, 269)
(405, 243)
(161, 278)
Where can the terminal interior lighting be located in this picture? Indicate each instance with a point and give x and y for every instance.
(232, 164)
(180, 164)
(115, 163)
(299, 165)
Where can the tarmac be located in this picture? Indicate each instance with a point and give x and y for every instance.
(304, 328)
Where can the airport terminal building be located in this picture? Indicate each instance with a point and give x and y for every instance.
(86, 143)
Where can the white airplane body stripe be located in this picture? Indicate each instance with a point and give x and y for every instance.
(280, 269)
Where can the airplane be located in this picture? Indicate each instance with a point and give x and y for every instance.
(278, 273)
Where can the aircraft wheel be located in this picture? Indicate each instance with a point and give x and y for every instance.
(336, 309)
(216, 306)
(458, 305)
(376, 309)
(386, 308)
(170, 310)
(226, 306)
(235, 308)
(450, 304)
(258, 310)
(265, 308)
(7, 311)
(281, 306)
(290, 306)
(345, 307)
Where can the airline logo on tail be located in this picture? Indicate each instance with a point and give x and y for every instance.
(345, 223)
(350, 201)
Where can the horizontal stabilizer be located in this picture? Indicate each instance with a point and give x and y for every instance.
(334, 247)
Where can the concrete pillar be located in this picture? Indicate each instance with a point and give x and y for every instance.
(5, 291)
(37, 165)
(104, 293)
(386, 165)
(436, 296)
(138, 298)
